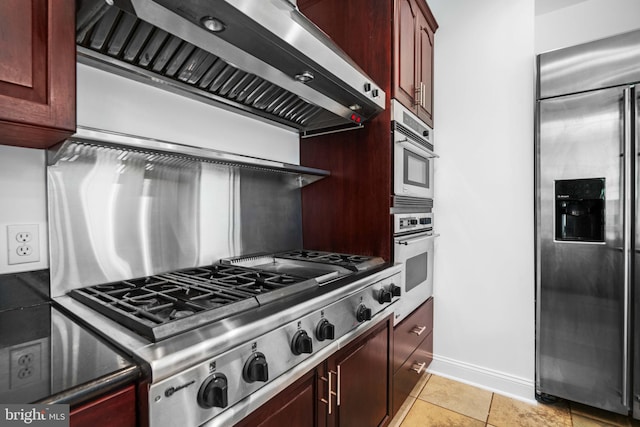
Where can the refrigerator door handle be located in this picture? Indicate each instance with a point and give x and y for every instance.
(630, 154)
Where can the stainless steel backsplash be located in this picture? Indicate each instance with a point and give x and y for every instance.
(118, 213)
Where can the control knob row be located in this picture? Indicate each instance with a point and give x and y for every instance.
(387, 294)
(302, 342)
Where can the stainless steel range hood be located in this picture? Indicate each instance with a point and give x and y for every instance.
(260, 57)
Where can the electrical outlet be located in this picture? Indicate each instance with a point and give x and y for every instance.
(26, 365)
(24, 243)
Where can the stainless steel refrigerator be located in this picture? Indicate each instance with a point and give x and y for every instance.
(587, 224)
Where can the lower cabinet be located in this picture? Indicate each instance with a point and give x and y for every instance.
(413, 351)
(350, 388)
(117, 408)
(363, 379)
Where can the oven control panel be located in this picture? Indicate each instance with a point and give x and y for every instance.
(412, 222)
(223, 380)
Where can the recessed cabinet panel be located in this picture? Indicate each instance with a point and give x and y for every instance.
(37, 72)
(406, 61)
(425, 71)
(15, 66)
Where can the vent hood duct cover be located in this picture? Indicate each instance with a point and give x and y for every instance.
(261, 57)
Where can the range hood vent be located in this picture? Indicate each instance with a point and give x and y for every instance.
(262, 58)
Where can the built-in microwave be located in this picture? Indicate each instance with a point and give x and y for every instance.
(413, 154)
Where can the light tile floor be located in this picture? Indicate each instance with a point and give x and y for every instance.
(441, 402)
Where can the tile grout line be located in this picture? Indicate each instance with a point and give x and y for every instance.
(486, 423)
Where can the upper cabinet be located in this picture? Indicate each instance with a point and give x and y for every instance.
(414, 27)
(37, 72)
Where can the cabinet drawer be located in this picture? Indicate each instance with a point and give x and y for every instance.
(407, 376)
(410, 333)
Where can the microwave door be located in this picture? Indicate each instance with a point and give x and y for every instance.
(413, 170)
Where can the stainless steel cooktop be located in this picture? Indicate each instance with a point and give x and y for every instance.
(163, 305)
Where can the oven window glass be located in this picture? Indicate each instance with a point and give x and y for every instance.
(416, 271)
(416, 169)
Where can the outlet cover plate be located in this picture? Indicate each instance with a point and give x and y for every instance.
(21, 237)
(26, 365)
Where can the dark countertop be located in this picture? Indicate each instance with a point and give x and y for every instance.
(46, 357)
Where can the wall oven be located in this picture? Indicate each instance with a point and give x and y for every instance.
(414, 249)
(413, 154)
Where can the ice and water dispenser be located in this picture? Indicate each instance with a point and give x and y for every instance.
(580, 210)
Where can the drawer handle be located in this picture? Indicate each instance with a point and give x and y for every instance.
(418, 330)
(418, 367)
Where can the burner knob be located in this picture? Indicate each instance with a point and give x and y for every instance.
(384, 295)
(301, 343)
(256, 369)
(363, 313)
(325, 330)
(213, 392)
(396, 291)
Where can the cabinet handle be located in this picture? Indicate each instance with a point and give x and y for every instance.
(330, 392)
(338, 386)
(418, 330)
(418, 367)
(418, 97)
(423, 99)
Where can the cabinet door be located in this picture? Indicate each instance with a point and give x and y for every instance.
(37, 72)
(405, 52)
(425, 70)
(364, 378)
(114, 409)
(294, 406)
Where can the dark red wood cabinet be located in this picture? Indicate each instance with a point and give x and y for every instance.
(37, 72)
(351, 388)
(413, 57)
(413, 351)
(117, 408)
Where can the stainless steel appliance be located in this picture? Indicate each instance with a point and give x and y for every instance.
(587, 224)
(261, 58)
(220, 340)
(413, 154)
(414, 249)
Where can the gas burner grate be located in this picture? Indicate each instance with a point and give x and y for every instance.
(351, 262)
(166, 304)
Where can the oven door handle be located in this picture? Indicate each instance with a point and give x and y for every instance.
(414, 240)
(418, 149)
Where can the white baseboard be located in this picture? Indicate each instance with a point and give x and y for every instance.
(498, 382)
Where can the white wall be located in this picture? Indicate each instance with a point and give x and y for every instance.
(110, 102)
(484, 199)
(22, 201)
(585, 21)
